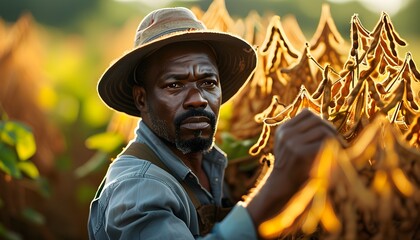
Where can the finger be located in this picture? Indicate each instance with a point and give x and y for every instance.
(311, 127)
(315, 126)
(318, 133)
(304, 114)
(299, 145)
(302, 121)
(311, 120)
(306, 119)
(302, 157)
(280, 157)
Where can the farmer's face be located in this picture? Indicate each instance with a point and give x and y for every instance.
(183, 96)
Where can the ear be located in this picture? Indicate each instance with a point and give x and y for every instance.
(139, 96)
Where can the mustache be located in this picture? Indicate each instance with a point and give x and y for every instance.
(194, 113)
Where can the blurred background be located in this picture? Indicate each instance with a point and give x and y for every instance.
(55, 142)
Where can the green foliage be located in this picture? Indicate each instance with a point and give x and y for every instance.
(85, 192)
(7, 234)
(106, 142)
(8, 161)
(238, 150)
(233, 147)
(95, 163)
(43, 186)
(33, 216)
(73, 63)
(17, 145)
(58, 13)
(19, 135)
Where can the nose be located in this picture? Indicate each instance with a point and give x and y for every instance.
(195, 99)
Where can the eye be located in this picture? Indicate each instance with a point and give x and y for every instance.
(173, 85)
(209, 83)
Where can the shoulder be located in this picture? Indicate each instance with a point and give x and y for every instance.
(136, 189)
(137, 172)
(134, 182)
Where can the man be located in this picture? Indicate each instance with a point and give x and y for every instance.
(176, 79)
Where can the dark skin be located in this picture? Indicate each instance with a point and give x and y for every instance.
(185, 76)
(178, 79)
(297, 143)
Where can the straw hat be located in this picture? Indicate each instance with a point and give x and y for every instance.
(236, 59)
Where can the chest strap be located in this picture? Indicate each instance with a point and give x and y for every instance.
(142, 151)
(208, 214)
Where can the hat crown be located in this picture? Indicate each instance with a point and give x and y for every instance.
(166, 21)
(236, 59)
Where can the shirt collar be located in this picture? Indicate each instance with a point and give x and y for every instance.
(145, 135)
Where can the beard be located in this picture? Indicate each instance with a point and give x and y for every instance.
(195, 144)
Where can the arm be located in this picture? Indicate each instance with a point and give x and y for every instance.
(143, 208)
(296, 144)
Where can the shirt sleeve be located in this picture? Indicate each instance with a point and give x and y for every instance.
(236, 225)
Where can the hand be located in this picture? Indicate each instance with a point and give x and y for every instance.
(297, 143)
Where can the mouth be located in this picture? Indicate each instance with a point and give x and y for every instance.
(196, 123)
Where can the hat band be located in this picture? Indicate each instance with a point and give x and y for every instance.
(167, 32)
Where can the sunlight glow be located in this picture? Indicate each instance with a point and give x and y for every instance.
(389, 6)
(153, 3)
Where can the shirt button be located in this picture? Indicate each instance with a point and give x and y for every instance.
(216, 179)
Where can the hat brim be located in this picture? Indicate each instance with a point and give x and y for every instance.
(236, 61)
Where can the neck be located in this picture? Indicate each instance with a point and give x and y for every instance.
(191, 160)
(194, 162)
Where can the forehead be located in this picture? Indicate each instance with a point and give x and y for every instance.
(183, 48)
(177, 57)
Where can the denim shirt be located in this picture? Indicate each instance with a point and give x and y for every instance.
(142, 201)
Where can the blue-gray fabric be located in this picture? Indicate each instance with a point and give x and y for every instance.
(142, 201)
